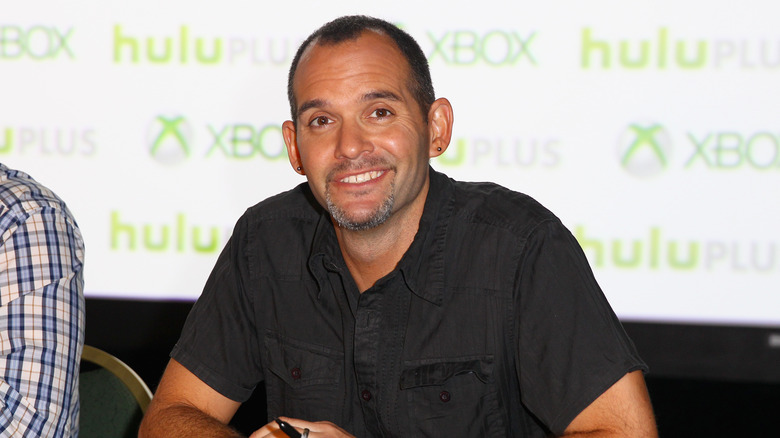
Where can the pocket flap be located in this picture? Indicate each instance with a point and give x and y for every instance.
(437, 373)
(302, 364)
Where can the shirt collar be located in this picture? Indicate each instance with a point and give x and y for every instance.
(323, 250)
(422, 266)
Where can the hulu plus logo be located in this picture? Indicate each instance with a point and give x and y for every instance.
(49, 141)
(645, 149)
(540, 152)
(177, 235)
(182, 46)
(659, 249)
(666, 50)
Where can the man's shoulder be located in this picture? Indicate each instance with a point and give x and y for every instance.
(22, 196)
(285, 222)
(493, 204)
(297, 203)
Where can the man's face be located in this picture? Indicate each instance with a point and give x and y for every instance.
(360, 137)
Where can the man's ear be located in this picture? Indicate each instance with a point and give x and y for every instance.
(440, 119)
(291, 141)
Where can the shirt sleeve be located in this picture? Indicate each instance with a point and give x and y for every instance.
(572, 346)
(41, 324)
(219, 341)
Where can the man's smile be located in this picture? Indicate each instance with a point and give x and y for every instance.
(362, 177)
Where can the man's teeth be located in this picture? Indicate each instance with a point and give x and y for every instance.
(363, 177)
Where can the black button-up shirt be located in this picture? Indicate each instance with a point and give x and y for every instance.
(491, 325)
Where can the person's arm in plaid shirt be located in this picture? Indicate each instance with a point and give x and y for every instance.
(41, 312)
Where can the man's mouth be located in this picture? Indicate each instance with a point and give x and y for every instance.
(362, 177)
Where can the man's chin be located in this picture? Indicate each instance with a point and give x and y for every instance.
(358, 224)
(359, 214)
(361, 222)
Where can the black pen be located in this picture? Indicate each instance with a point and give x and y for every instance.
(287, 429)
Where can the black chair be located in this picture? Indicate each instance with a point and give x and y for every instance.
(113, 397)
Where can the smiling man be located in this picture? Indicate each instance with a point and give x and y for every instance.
(382, 298)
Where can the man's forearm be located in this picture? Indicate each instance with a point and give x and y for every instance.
(183, 421)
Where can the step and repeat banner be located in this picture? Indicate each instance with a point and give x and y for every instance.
(652, 128)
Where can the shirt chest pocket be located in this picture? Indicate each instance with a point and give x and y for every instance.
(452, 397)
(304, 380)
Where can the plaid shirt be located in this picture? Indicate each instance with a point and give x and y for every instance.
(41, 310)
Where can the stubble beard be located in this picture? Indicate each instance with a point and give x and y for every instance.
(379, 216)
(375, 219)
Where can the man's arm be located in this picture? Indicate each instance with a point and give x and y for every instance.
(623, 410)
(185, 406)
(42, 325)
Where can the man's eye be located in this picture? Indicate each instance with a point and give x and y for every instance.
(319, 121)
(381, 112)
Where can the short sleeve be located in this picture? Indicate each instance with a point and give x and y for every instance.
(219, 341)
(571, 346)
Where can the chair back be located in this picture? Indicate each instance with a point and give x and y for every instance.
(113, 397)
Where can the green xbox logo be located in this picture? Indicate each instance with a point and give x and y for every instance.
(38, 42)
(644, 149)
(169, 139)
(496, 48)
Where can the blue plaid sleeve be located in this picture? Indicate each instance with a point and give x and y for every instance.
(41, 315)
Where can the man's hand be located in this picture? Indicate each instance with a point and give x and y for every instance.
(319, 429)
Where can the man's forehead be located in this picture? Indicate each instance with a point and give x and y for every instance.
(369, 36)
(321, 42)
(305, 68)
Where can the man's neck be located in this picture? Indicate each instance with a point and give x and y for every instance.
(372, 254)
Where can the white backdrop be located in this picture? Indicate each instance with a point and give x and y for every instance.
(650, 127)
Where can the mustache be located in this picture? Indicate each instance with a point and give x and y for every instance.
(357, 165)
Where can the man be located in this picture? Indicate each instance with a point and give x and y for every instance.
(384, 299)
(41, 310)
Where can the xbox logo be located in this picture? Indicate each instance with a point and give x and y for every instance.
(644, 149)
(169, 139)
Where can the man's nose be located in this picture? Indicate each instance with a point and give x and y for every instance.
(353, 141)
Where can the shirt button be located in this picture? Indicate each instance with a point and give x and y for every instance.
(366, 395)
(296, 373)
(444, 396)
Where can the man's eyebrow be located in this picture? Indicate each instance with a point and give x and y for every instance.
(371, 95)
(381, 94)
(314, 103)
